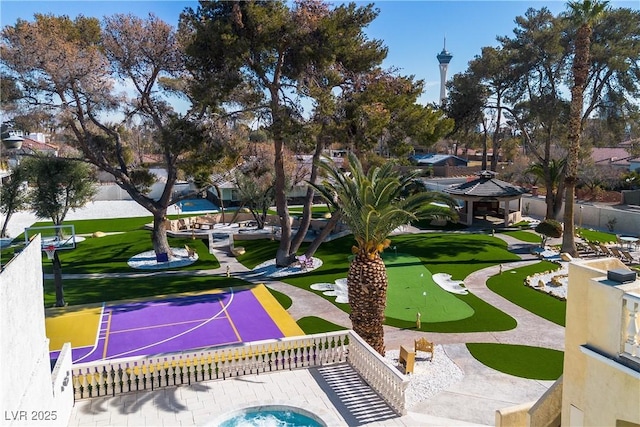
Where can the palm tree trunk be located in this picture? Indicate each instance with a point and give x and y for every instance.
(367, 287)
(580, 71)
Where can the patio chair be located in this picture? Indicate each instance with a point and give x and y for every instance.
(595, 248)
(423, 345)
(605, 250)
(627, 255)
(616, 253)
(584, 250)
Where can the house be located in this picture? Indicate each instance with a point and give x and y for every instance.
(437, 160)
(600, 385)
(615, 157)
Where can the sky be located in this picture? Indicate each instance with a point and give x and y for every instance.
(414, 31)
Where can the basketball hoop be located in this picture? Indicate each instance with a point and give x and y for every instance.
(50, 251)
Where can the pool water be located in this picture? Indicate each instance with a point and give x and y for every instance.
(197, 205)
(271, 418)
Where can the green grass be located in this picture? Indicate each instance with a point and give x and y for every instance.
(316, 325)
(110, 254)
(520, 360)
(595, 236)
(97, 290)
(510, 285)
(90, 226)
(456, 254)
(525, 236)
(408, 281)
(283, 299)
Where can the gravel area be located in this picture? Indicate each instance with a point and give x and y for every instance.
(554, 283)
(428, 378)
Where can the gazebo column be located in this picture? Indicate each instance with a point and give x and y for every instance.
(469, 212)
(506, 212)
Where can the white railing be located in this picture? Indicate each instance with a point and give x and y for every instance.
(380, 374)
(631, 326)
(109, 378)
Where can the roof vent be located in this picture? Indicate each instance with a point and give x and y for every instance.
(621, 275)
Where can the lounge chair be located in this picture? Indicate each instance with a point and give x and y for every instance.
(627, 255)
(616, 253)
(605, 250)
(595, 249)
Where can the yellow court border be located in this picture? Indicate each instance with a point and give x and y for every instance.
(80, 324)
(280, 316)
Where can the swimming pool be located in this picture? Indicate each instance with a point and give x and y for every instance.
(196, 205)
(280, 416)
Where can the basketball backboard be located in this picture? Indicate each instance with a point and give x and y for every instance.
(62, 237)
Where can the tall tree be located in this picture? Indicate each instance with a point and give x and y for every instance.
(142, 54)
(57, 186)
(540, 64)
(271, 47)
(372, 205)
(493, 68)
(13, 196)
(465, 104)
(583, 15)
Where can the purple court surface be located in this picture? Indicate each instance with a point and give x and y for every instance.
(178, 323)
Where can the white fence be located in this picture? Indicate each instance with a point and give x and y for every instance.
(109, 378)
(598, 217)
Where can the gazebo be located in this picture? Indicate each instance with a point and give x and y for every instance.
(488, 196)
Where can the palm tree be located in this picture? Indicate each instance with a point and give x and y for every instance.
(372, 205)
(583, 15)
(551, 173)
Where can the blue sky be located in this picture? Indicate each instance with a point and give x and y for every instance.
(414, 31)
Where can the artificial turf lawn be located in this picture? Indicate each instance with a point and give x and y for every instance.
(409, 280)
(97, 290)
(316, 325)
(110, 254)
(525, 236)
(520, 360)
(510, 284)
(596, 236)
(456, 254)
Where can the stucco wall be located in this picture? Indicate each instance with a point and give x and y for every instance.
(26, 394)
(588, 215)
(602, 392)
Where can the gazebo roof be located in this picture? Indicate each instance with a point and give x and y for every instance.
(485, 186)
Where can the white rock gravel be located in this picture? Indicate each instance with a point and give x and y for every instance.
(428, 378)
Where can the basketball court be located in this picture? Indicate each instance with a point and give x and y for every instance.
(170, 323)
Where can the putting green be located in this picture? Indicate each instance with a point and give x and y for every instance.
(408, 282)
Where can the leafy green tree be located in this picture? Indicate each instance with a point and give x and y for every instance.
(465, 104)
(13, 197)
(272, 48)
(583, 15)
(372, 206)
(549, 228)
(57, 186)
(144, 55)
(493, 70)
